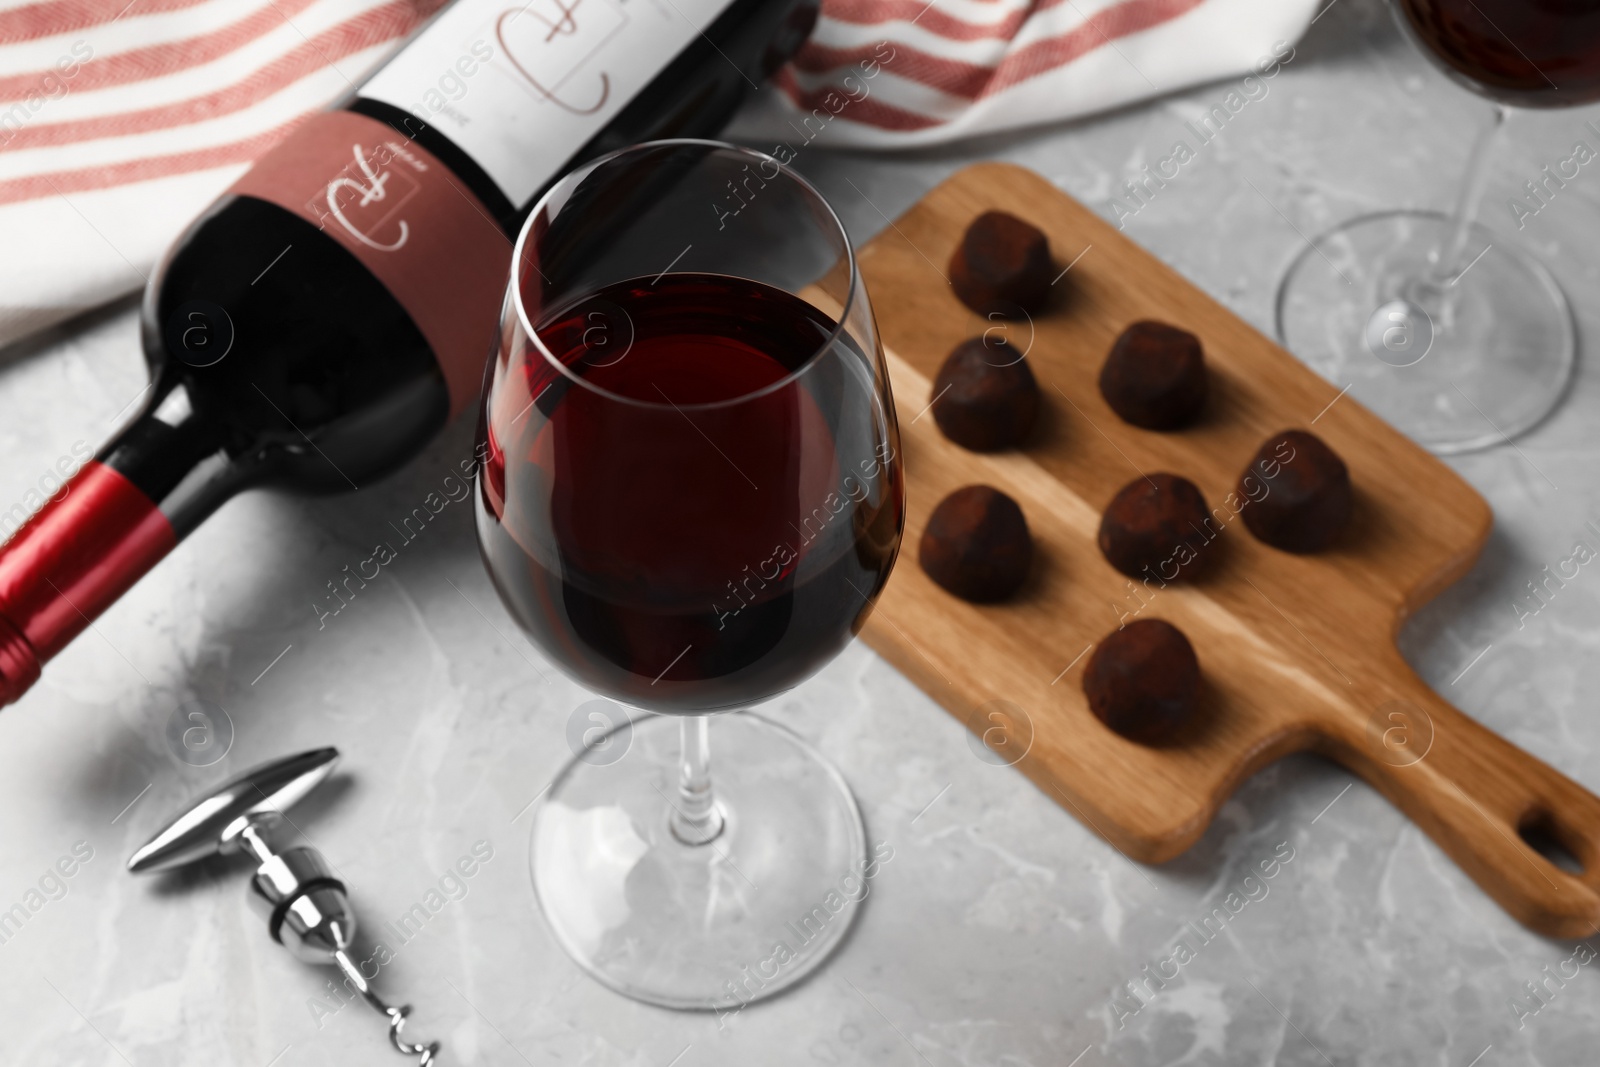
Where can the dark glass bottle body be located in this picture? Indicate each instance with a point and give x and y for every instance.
(329, 383)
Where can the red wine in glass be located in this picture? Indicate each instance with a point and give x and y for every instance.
(1524, 53)
(686, 549)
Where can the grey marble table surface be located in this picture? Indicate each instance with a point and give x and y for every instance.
(1003, 932)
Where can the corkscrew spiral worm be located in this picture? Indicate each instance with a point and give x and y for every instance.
(427, 1055)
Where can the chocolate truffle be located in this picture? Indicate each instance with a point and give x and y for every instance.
(1306, 502)
(1143, 681)
(984, 397)
(1155, 527)
(1002, 265)
(977, 545)
(1155, 376)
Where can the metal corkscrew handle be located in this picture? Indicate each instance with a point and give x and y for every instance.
(304, 904)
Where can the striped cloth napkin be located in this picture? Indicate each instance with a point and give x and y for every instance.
(121, 119)
(905, 73)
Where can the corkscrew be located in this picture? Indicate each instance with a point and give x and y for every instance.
(295, 891)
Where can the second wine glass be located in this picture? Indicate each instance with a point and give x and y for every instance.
(1437, 324)
(690, 497)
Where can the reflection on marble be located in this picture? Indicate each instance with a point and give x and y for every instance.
(1004, 933)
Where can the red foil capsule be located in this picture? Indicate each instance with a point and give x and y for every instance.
(68, 563)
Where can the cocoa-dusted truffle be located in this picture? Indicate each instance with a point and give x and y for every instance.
(1156, 527)
(1002, 265)
(977, 545)
(1306, 502)
(1155, 376)
(1143, 681)
(985, 397)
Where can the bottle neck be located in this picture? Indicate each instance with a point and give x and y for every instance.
(175, 458)
(113, 520)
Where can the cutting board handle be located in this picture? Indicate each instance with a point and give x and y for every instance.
(1486, 803)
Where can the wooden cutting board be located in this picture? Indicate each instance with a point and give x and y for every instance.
(1298, 652)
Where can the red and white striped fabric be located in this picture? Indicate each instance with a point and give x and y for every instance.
(906, 73)
(121, 119)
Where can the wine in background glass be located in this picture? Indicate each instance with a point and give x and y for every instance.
(1447, 330)
(1523, 53)
(690, 497)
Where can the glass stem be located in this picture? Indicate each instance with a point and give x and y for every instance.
(696, 819)
(1453, 253)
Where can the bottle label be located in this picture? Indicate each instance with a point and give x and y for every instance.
(521, 85)
(409, 220)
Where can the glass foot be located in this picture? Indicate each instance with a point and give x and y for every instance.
(704, 926)
(1456, 363)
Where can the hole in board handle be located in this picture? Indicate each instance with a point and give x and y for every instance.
(1546, 836)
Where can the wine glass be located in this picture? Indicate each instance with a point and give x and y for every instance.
(1444, 329)
(689, 497)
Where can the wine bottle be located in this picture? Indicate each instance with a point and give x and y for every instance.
(320, 322)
